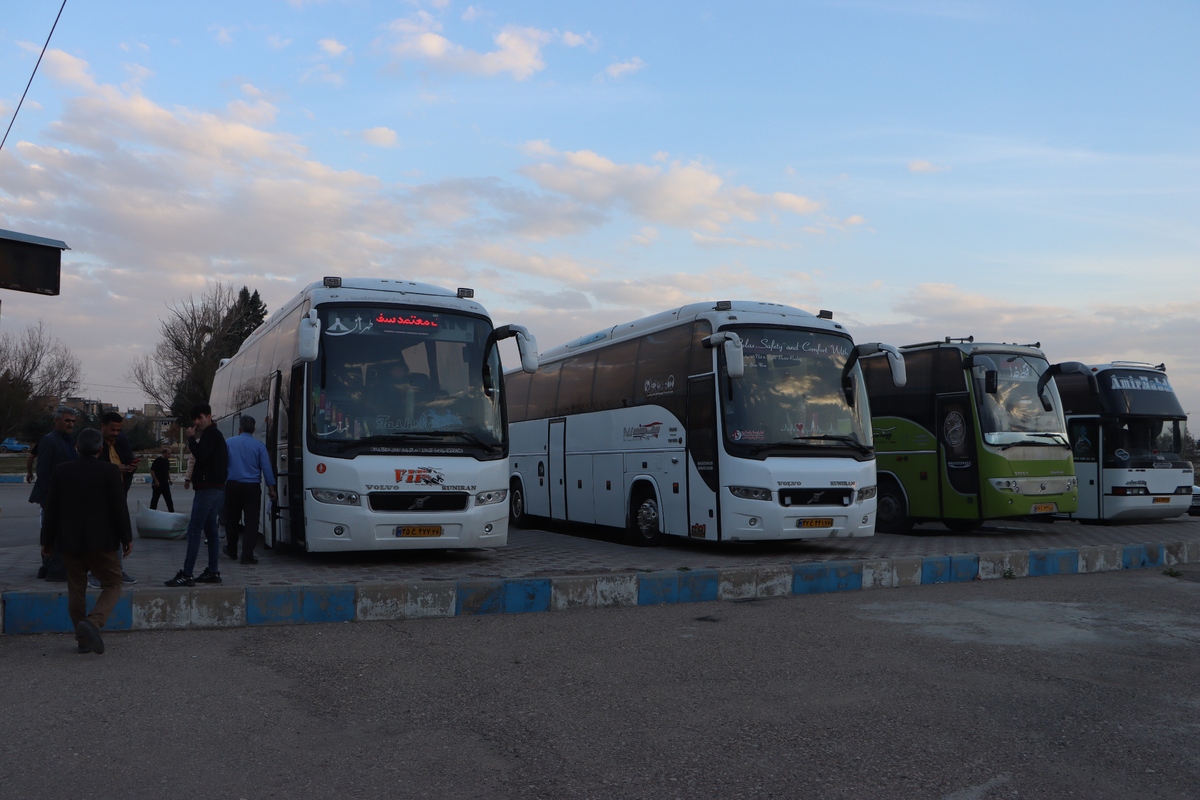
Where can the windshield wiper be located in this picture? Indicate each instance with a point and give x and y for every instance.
(1055, 436)
(470, 437)
(834, 437)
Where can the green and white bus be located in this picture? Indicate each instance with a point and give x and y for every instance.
(976, 433)
(1126, 430)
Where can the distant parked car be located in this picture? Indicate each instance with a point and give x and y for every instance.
(11, 445)
(1194, 510)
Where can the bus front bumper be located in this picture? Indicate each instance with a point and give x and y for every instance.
(757, 520)
(363, 529)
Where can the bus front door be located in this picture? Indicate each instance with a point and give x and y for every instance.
(556, 467)
(1084, 435)
(702, 459)
(959, 487)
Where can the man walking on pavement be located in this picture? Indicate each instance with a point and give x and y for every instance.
(56, 447)
(87, 522)
(248, 460)
(160, 476)
(208, 478)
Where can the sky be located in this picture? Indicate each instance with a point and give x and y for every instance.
(1016, 171)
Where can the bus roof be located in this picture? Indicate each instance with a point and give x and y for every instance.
(968, 346)
(739, 311)
(1142, 365)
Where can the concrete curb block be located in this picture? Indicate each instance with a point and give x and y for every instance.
(231, 607)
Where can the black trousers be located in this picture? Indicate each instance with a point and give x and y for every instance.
(242, 504)
(164, 492)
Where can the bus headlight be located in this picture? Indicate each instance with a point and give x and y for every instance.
(1072, 483)
(750, 492)
(337, 497)
(1005, 485)
(867, 492)
(488, 498)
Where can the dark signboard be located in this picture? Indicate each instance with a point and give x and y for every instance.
(30, 263)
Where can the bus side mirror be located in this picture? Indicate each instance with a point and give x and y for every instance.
(895, 366)
(1065, 368)
(526, 345)
(991, 381)
(735, 367)
(310, 336)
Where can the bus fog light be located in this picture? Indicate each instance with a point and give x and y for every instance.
(337, 497)
(338, 530)
(487, 528)
(864, 522)
(494, 496)
(753, 522)
(1005, 485)
(867, 492)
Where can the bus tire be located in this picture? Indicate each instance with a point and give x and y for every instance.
(891, 511)
(961, 525)
(517, 518)
(645, 519)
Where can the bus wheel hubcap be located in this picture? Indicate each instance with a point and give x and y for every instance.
(647, 518)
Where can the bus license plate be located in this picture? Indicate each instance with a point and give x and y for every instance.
(1162, 500)
(422, 531)
(1044, 508)
(817, 522)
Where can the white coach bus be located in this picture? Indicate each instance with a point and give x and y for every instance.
(730, 421)
(382, 405)
(1126, 427)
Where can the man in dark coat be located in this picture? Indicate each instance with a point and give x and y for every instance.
(56, 447)
(117, 447)
(160, 476)
(86, 519)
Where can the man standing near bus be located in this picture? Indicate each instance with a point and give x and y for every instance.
(208, 477)
(249, 466)
(56, 447)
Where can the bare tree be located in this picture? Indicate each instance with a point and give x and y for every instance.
(195, 335)
(33, 364)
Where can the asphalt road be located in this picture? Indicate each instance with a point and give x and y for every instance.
(1083, 686)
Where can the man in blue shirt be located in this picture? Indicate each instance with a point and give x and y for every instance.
(249, 465)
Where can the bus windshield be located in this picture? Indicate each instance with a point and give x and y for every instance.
(791, 394)
(1132, 439)
(1014, 414)
(386, 376)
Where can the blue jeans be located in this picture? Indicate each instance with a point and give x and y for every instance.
(205, 506)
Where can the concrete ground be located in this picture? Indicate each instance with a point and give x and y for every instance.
(1084, 686)
(562, 550)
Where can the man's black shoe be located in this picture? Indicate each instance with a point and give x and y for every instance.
(229, 551)
(83, 648)
(42, 573)
(89, 636)
(181, 579)
(249, 560)
(208, 577)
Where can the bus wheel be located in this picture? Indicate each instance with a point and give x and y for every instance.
(891, 514)
(645, 525)
(961, 525)
(516, 505)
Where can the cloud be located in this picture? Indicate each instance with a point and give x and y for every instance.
(646, 236)
(380, 137)
(623, 68)
(224, 33)
(331, 47)
(518, 50)
(580, 40)
(920, 165)
(278, 42)
(677, 194)
(471, 14)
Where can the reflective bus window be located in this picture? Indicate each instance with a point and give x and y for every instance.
(613, 386)
(516, 388)
(700, 361)
(575, 386)
(543, 391)
(661, 361)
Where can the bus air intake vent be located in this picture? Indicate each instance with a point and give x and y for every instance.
(418, 501)
(816, 497)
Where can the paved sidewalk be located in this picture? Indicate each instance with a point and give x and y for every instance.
(584, 550)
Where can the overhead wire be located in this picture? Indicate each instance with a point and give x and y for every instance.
(35, 69)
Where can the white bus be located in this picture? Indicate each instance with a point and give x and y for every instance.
(1126, 430)
(382, 404)
(731, 421)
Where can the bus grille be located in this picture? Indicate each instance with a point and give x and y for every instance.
(418, 501)
(816, 497)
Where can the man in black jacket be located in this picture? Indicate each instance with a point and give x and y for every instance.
(208, 479)
(56, 447)
(86, 519)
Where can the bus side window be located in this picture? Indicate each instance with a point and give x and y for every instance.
(660, 364)
(949, 375)
(1084, 435)
(516, 392)
(575, 385)
(700, 361)
(913, 401)
(613, 387)
(543, 391)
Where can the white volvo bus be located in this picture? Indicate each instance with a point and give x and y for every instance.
(1126, 430)
(382, 405)
(730, 421)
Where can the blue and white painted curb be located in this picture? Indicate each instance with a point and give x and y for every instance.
(229, 607)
